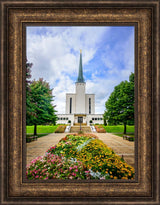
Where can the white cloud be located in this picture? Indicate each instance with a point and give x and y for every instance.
(101, 87)
(119, 59)
(54, 52)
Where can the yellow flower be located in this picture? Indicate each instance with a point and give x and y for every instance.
(124, 178)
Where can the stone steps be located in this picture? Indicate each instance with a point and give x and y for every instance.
(78, 124)
(75, 129)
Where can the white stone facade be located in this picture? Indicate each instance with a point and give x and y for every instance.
(80, 107)
(64, 118)
(80, 102)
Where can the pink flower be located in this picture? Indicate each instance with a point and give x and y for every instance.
(37, 176)
(76, 170)
(46, 178)
(70, 168)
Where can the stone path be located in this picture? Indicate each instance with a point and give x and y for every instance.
(120, 146)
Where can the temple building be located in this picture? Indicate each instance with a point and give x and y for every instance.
(80, 106)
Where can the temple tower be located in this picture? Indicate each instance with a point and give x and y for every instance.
(80, 89)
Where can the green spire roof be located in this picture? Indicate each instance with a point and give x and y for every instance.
(80, 78)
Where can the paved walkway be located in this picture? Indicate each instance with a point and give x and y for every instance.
(120, 146)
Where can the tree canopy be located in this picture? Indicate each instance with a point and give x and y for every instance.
(120, 105)
(39, 103)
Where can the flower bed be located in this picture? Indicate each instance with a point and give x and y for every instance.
(100, 129)
(60, 129)
(93, 158)
(53, 166)
(86, 135)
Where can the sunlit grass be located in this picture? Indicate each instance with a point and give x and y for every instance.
(119, 129)
(41, 129)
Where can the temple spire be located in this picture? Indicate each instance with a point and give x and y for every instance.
(80, 78)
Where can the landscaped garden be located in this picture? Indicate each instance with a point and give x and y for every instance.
(79, 157)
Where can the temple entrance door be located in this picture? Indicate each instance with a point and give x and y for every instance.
(80, 119)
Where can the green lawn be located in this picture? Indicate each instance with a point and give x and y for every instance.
(119, 129)
(41, 129)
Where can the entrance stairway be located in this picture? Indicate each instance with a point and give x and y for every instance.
(76, 129)
(78, 124)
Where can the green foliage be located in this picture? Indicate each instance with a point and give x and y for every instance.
(104, 120)
(40, 99)
(39, 108)
(28, 97)
(120, 105)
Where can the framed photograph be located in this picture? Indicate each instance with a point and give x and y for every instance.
(44, 33)
(82, 82)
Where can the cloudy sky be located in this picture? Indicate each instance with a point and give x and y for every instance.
(107, 55)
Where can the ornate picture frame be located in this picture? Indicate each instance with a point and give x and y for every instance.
(15, 16)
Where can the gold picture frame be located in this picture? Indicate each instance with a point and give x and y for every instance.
(144, 15)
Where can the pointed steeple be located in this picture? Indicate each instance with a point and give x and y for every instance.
(80, 78)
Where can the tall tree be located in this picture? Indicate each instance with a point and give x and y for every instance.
(28, 96)
(120, 105)
(42, 110)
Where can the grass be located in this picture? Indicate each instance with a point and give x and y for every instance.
(119, 129)
(41, 129)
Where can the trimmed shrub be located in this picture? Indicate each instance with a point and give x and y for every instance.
(60, 129)
(100, 129)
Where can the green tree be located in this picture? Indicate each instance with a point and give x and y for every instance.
(42, 110)
(28, 96)
(120, 105)
(104, 119)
